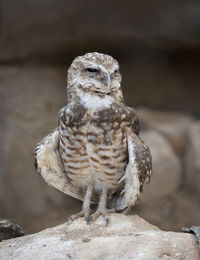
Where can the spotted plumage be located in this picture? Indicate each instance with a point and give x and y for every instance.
(95, 154)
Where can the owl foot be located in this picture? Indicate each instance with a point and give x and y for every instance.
(101, 210)
(83, 213)
(75, 216)
(104, 212)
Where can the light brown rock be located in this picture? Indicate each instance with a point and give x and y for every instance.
(172, 125)
(126, 237)
(157, 203)
(192, 164)
(166, 167)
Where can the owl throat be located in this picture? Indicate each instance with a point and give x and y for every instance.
(92, 101)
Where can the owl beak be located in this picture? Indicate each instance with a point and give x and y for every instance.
(106, 80)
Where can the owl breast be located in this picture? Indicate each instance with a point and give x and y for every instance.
(93, 145)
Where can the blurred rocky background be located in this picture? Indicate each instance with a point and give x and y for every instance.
(158, 46)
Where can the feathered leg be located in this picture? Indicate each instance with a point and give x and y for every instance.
(85, 212)
(102, 210)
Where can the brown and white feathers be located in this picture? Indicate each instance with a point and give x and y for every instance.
(97, 140)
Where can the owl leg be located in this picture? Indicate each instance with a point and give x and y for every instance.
(85, 212)
(102, 210)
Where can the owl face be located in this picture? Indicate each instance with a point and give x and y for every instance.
(96, 78)
(94, 73)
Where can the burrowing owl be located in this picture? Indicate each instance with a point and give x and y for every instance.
(95, 154)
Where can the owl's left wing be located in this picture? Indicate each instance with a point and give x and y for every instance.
(138, 170)
(48, 164)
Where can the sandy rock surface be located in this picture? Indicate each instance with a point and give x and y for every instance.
(126, 237)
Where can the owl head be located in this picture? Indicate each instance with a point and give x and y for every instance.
(94, 73)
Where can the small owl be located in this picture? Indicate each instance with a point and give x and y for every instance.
(95, 154)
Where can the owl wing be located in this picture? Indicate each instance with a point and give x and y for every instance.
(135, 125)
(138, 170)
(48, 164)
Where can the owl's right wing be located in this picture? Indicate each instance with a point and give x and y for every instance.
(138, 170)
(48, 164)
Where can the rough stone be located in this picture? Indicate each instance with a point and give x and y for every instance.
(158, 201)
(194, 230)
(177, 210)
(192, 163)
(166, 167)
(173, 125)
(9, 230)
(126, 237)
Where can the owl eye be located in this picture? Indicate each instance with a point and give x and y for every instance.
(91, 70)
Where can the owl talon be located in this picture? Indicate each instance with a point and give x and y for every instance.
(69, 220)
(104, 213)
(75, 216)
(88, 220)
(97, 214)
(106, 220)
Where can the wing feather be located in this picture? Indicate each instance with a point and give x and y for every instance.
(48, 164)
(138, 170)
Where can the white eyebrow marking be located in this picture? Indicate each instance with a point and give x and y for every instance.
(116, 67)
(92, 65)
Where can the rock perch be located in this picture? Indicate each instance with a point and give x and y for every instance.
(126, 237)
